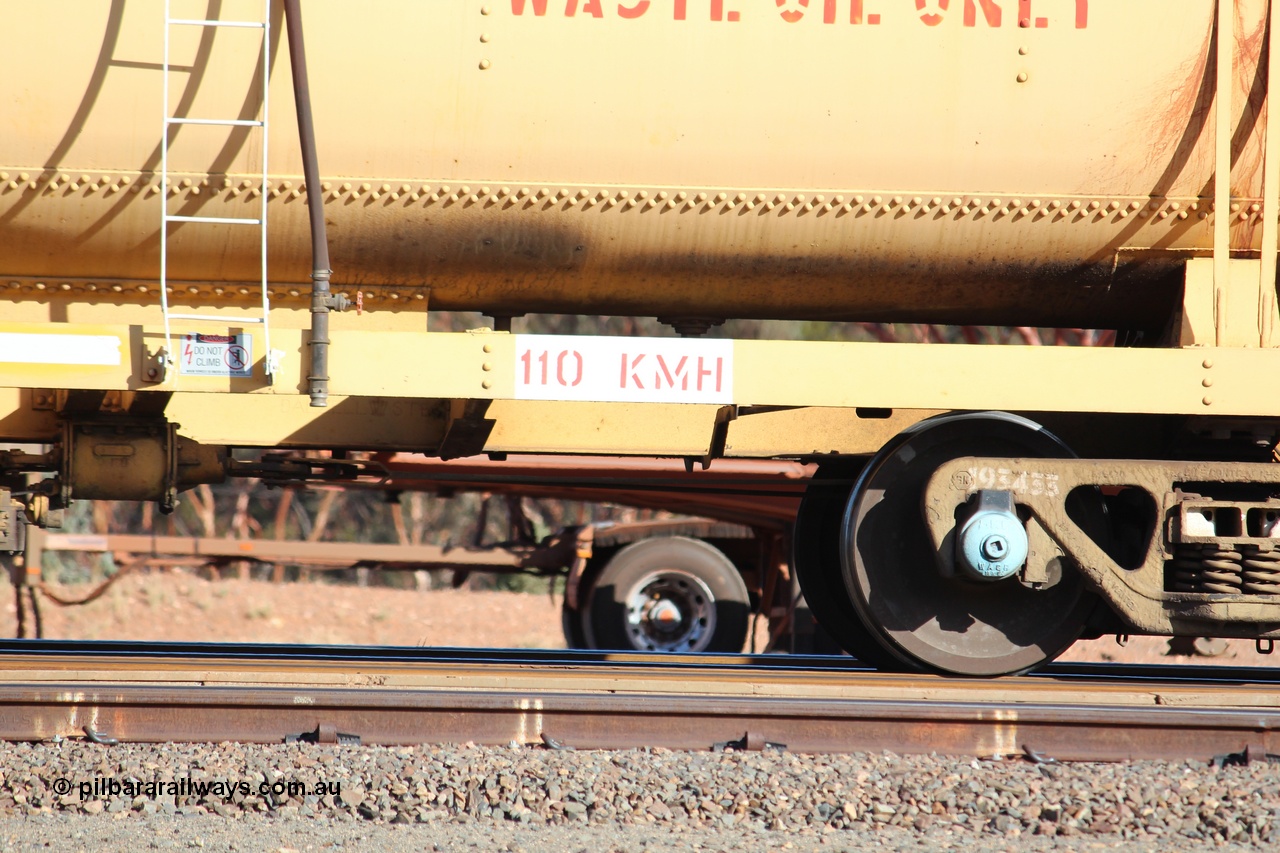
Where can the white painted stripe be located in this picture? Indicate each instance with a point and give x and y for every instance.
(25, 348)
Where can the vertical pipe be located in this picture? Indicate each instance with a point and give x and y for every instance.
(1222, 170)
(318, 377)
(1270, 188)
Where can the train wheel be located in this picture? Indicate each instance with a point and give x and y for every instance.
(575, 633)
(816, 557)
(668, 595)
(921, 618)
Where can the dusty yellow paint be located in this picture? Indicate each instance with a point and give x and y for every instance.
(1053, 175)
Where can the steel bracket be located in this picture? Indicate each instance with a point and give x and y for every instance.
(1138, 594)
(324, 733)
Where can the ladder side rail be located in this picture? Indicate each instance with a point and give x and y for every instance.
(168, 358)
(266, 87)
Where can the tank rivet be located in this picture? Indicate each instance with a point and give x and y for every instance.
(484, 64)
(1022, 51)
(1094, 205)
(487, 366)
(1255, 207)
(1207, 382)
(1244, 216)
(1022, 76)
(1207, 363)
(1235, 207)
(486, 384)
(1208, 401)
(487, 348)
(917, 200)
(1134, 205)
(1055, 204)
(484, 38)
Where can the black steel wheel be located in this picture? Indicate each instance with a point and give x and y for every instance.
(671, 594)
(816, 558)
(930, 622)
(575, 633)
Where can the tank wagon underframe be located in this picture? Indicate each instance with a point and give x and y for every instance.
(975, 508)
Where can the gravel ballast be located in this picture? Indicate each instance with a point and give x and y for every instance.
(81, 794)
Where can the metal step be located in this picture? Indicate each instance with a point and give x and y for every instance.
(217, 318)
(195, 22)
(212, 220)
(228, 122)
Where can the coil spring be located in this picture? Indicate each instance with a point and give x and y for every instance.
(1246, 570)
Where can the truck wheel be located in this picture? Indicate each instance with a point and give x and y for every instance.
(671, 594)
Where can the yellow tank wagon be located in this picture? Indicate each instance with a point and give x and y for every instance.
(164, 297)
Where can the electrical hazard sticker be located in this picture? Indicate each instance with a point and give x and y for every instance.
(216, 355)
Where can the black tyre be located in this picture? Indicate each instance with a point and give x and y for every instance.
(816, 558)
(672, 594)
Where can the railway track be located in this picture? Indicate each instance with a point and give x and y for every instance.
(211, 693)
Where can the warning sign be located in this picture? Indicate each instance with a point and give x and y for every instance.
(216, 355)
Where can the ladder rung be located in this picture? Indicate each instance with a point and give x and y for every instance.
(214, 318)
(230, 122)
(194, 22)
(214, 220)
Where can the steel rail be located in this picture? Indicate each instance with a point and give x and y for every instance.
(1206, 673)
(404, 698)
(1121, 673)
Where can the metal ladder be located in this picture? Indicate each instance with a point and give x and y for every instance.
(166, 219)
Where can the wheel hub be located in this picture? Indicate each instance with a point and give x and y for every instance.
(670, 611)
(992, 544)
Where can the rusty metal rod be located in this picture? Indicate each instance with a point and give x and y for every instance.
(321, 300)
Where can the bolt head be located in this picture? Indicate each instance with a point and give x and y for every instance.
(994, 547)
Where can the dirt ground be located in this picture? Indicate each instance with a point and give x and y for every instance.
(177, 605)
